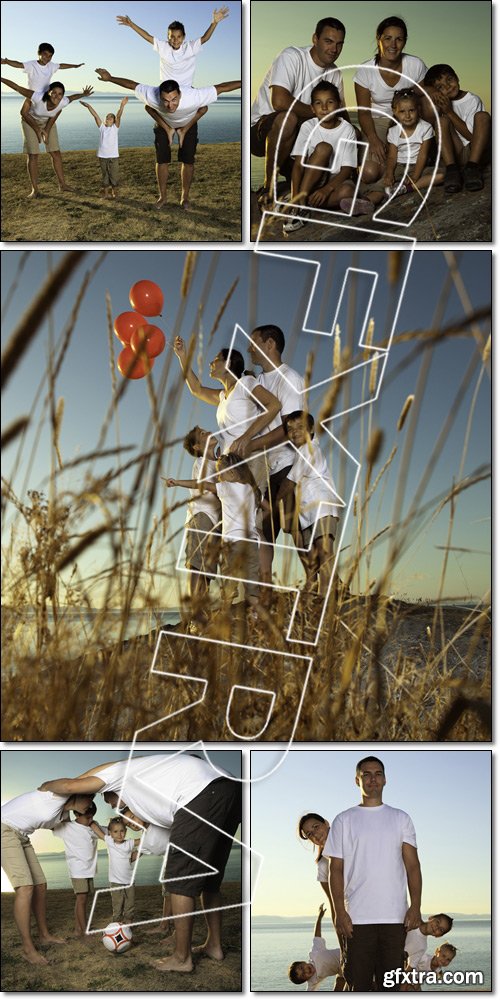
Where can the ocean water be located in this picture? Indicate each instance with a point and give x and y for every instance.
(77, 129)
(148, 870)
(275, 944)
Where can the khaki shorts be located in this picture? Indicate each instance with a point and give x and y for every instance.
(202, 548)
(19, 860)
(31, 144)
(109, 170)
(240, 561)
(398, 174)
(82, 885)
(324, 526)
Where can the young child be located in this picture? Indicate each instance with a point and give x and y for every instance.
(121, 854)
(317, 144)
(400, 154)
(314, 486)
(107, 152)
(80, 848)
(470, 127)
(177, 56)
(323, 962)
(40, 71)
(443, 955)
(416, 940)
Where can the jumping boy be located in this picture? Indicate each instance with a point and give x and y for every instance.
(80, 848)
(324, 140)
(177, 56)
(40, 71)
(107, 152)
(323, 962)
(468, 124)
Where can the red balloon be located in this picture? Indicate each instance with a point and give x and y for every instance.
(126, 324)
(148, 339)
(130, 366)
(147, 298)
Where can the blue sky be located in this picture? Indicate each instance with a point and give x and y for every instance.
(446, 792)
(89, 33)
(268, 290)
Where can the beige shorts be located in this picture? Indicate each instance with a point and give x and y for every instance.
(82, 885)
(382, 126)
(202, 548)
(31, 144)
(324, 526)
(19, 860)
(240, 561)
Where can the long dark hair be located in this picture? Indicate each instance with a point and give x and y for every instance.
(235, 361)
(55, 83)
(389, 22)
(303, 836)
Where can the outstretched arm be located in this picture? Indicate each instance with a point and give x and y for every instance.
(224, 88)
(317, 926)
(120, 81)
(190, 484)
(70, 65)
(73, 786)
(218, 15)
(121, 109)
(125, 19)
(86, 92)
(15, 86)
(13, 62)
(93, 112)
(97, 830)
(193, 383)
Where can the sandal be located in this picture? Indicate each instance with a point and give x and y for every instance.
(452, 179)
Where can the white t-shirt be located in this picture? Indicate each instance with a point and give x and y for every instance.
(322, 870)
(39, 76)
(411, 143)
(157, 786)
(312, 475)
(415, 946)
(120, 869)
(326, 961)
(203, 503)
(466, 107)
(288, 386)
(294, 69)
(155, 841)
(80, 848)
(341, 138)
(368, 75)
(370, 839)
(39, 110)
(235, 411)
(177, 64)
(424, 963)
(190, 101)
(108, 142)
(34, 811)
(238, 510)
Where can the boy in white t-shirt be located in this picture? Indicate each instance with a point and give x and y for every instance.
(177, 56)
(80, 848)
(469, 124)
(40, 71)
(108, 147)
(323, 962)
(121, 854)
(323, 141)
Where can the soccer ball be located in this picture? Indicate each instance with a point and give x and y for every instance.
(117, 938)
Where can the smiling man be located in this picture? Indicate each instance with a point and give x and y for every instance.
(373, 863)
(176, 110)
(289, 82)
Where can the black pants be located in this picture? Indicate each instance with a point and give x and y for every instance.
(373, 950)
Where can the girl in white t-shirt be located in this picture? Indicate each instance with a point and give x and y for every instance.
(108, 147)
(375, 83)
(39, 114)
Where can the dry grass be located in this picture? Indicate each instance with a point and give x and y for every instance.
(82, 216)
(382, 669)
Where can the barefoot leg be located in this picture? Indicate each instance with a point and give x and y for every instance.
(58, 170)
(32, 165)
(39, 907)
(22, 918)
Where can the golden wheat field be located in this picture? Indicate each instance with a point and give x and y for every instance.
(400, 649)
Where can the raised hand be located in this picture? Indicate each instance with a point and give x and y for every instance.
(103, 74)
(124, 19)
(124, 101)
(220, 15)
(87, 91)
(169, 482)
(180, 348)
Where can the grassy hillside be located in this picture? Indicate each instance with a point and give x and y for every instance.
(82, 215)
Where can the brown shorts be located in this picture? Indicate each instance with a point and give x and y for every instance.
(109, 170)
(240, 561)
(259, 132)
(202, 544)
(82, 885)
(325, 526)
(31, 144)
(19, 860)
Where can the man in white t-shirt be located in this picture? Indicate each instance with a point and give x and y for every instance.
(20, 818)
(175, 110)
(373, 863)
(201, 807)
(40, 71)
(177, 56)
(288, 83)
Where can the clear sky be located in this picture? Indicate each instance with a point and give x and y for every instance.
(458, 34)
(90, 33)
(24, 770)
(446, 792)
(268, 290)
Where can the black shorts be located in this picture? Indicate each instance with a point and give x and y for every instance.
(259, 132)
(220, 805)
(185, 154)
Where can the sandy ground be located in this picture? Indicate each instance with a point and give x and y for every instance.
(78, 967)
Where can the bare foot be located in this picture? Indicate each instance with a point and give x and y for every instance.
(34, 958)
(50, 939)
(209, 952)
(173, 964)
(159, 204)
(34, 193)
(186, 205)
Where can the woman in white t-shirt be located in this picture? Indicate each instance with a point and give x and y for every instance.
(39, 114)
(315, 829)
(107, 151)
(375, 83)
